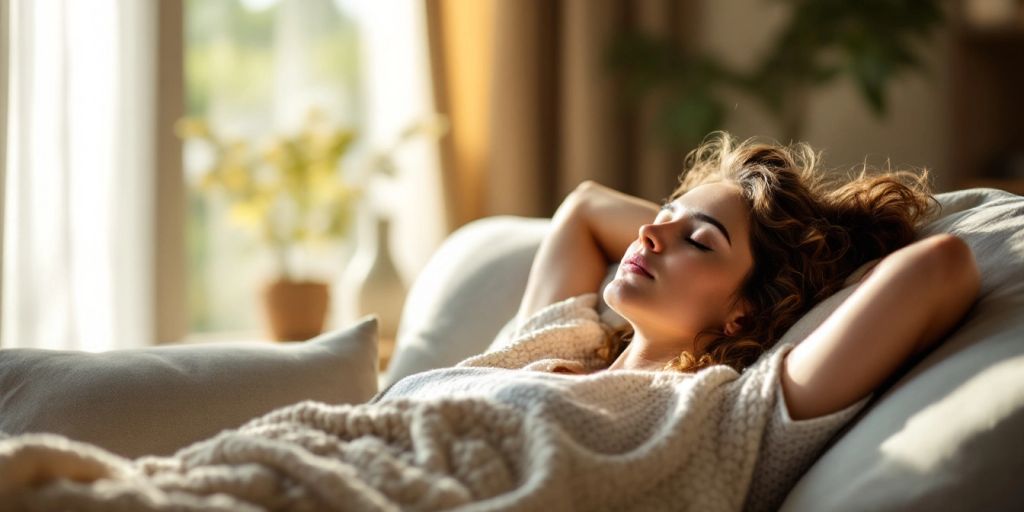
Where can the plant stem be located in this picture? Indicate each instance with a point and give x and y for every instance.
(281, 255)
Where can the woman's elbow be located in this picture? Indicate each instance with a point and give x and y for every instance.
(955, 264)
(577, 203)
(954, 283)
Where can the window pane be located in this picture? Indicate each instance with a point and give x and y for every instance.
(254, 69)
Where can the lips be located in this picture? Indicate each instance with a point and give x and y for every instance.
(637, 264)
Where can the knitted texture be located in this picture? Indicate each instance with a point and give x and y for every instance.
(789, 449)
(515, 440)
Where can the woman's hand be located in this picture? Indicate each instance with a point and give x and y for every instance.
(592, 228)
(910, 300)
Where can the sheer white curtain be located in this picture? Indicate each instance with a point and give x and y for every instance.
(77, 263)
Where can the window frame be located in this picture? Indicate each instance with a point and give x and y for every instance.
(169, 315)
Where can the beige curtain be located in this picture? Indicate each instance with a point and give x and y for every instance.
(551, 115)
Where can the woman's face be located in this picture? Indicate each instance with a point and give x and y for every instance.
(683, 272)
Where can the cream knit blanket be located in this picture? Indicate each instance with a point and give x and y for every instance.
(522, 440)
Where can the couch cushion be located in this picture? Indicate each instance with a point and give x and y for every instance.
(946, 435)
(156, 400)
(470, 287)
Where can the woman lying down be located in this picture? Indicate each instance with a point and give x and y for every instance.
(699, 403)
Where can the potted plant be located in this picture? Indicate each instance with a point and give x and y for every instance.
(291, 193)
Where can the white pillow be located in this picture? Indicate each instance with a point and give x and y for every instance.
(470, 287)
(946, 435)
(156, 400)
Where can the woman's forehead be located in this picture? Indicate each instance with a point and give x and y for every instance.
(721, 200)
(719, 195)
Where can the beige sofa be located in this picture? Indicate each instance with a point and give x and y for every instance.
(946, 433)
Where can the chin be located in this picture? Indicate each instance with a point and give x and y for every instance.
(634, 306)
(620, 299)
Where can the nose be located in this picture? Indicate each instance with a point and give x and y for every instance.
(649, 237)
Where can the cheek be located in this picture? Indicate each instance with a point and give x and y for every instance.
(692, 294)
(703, 291)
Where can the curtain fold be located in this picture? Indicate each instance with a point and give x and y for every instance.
(582, 126)
(524, 122)
(555, 114)
(78, 242)
(460, 38)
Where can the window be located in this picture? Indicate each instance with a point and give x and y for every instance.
(254, 68)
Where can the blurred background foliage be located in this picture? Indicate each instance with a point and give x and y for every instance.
(869, 42)
(246, 63)
(290, 192)
(231, 47)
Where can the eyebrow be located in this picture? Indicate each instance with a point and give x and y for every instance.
(701, 216)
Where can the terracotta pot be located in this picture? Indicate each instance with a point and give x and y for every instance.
(296, 310)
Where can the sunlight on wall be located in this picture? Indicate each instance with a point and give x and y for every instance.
(396, 79)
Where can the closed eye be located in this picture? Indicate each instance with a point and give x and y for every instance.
(698, 245)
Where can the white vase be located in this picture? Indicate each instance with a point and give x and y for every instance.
(371, 283)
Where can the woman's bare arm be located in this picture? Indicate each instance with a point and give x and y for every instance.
(908, 302)
(592, 228)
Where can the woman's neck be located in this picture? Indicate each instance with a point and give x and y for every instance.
(642, 354)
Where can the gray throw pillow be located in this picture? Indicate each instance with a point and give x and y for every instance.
(156, 400)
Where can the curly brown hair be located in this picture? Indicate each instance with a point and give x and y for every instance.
(809, 230)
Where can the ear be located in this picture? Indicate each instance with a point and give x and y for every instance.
(733, 321)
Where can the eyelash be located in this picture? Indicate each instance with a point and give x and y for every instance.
(699, 246)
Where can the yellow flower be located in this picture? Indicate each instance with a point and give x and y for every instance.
(209, 182)
(236, 179)
(288, 190)
(190, 127)
(249, 213)
(432, 127)
(274, 153)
